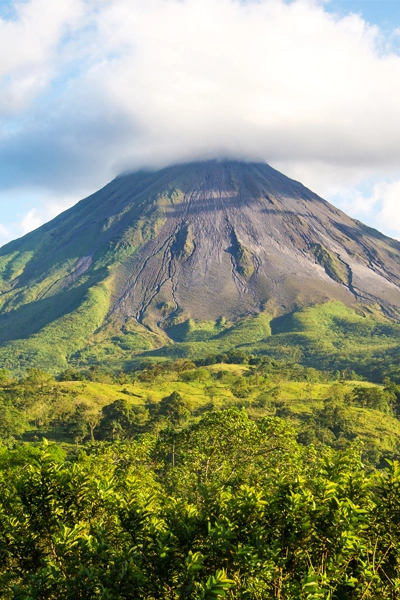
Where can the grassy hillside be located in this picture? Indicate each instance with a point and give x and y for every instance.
(327, 336)
(322, 408)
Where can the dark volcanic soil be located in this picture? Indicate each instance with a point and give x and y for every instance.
(238, 236)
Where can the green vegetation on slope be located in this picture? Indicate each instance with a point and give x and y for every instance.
(327, 336)
(333, 266)
(58, 282)
(61, 337)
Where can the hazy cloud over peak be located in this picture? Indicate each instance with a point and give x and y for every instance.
(100, 86)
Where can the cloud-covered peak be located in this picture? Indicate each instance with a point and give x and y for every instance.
(101, 86)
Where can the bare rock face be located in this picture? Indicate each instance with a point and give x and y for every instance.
(204, 241)
(238, 237)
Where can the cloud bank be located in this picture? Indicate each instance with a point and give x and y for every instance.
(102, 86)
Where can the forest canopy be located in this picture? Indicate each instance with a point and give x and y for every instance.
(226, 507)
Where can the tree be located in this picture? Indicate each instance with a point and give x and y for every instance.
(4, 377)
(338, 392)
(374, 397)
(182, 365)
(121, 420)
(77, 427)
(240, 388)
(92, 417)
(39, 412)
(174, 408)
(225, 448)
(195, 375)
(71, 375)
(308, 391)
(116, 420)
(37, 378)
(12, 424)
(243, 512)
(334, 416)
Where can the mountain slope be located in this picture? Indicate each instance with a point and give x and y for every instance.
(155, 252)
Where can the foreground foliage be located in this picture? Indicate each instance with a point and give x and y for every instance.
(227, 507)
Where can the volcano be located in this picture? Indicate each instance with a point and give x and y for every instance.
(215, 241)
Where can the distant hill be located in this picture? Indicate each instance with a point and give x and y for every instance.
(198, 258)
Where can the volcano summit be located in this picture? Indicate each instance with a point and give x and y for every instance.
(128, 267)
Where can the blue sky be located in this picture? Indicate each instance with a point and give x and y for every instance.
(385, 13)
(90, 88)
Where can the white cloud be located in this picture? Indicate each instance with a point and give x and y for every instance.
(47, 210)
(262, 79)
(129, 83)
(388, 214)
(28, 49)
(4, 233)
(380, 206)
(30, 221)
(33, 208)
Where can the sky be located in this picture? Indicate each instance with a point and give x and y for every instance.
(93, 88)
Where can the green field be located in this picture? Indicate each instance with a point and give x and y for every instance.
(40, 406)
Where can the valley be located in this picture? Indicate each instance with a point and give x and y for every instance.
(324, 407)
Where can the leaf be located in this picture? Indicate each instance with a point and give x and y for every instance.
(216, 586)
